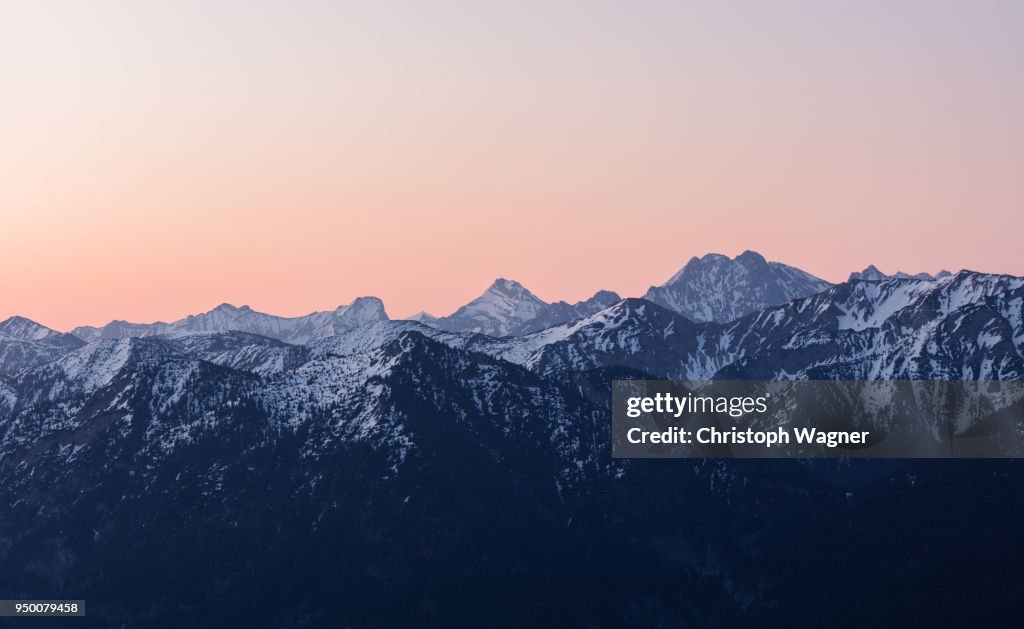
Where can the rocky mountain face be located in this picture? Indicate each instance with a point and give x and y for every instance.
(716, 288)
(163, 476)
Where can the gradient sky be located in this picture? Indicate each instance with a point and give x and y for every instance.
(159, 158)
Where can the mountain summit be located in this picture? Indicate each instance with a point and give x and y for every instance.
(716, 288)
(507, 308)
(501, 310)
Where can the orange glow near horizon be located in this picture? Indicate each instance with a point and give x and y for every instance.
(156, 162)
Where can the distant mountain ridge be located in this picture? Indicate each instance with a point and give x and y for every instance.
(712, 288)
(872, 274)
(223, 318)
(716, 288)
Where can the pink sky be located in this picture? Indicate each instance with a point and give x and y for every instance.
(156, 162)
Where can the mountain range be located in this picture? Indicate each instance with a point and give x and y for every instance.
(966, 326)
(445, 470)
(872, 274)
(296, 330)
(711, 288)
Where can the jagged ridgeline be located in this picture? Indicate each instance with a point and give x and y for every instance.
(361, 471)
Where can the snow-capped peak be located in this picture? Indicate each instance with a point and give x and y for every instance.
(503, 289)
(501, 310)
(362, 310)
(25, 329)
(25, 343)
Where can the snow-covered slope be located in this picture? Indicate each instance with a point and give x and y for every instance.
(369, 337)
(8, 397)
(632, 334)
(251, 353)
(87, 369)
(716, 288)
(180, 389)
(224, 318)
(965, 326)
